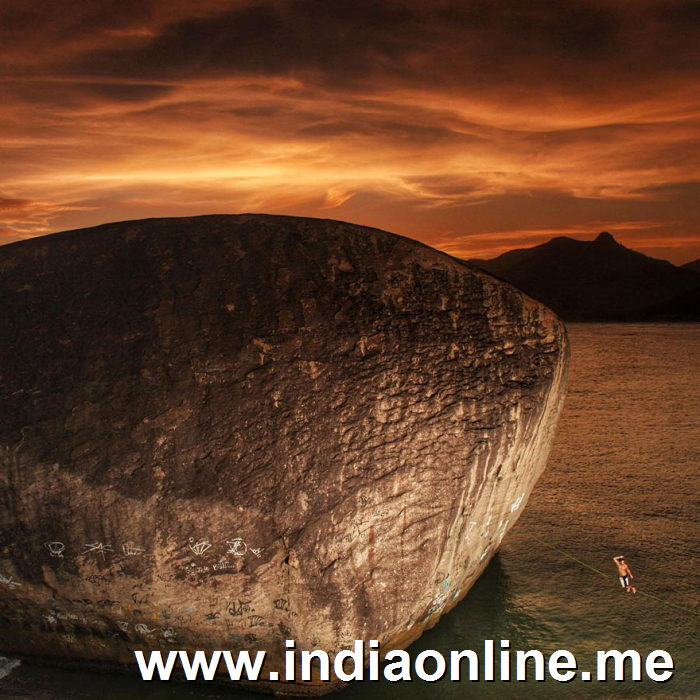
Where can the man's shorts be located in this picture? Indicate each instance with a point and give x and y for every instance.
(624, 581)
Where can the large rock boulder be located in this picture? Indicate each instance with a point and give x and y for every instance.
(224, 432)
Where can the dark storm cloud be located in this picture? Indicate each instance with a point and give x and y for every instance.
(75, 95)
(352, 41)
(673, 189)
(13, 204)
(32, 30)
(267, 38)
(126, 92)
(387, 131)
(684, 16)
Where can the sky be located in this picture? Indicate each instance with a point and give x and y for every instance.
(474, 126)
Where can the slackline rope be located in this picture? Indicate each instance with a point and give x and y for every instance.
(602, 573)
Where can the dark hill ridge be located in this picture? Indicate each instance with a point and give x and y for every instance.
(599, 280)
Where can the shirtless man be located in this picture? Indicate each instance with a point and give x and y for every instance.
(625, 574)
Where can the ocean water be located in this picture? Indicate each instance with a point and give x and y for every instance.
(623, 477)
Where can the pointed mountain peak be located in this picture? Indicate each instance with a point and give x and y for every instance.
(598, 280)
(606, 238)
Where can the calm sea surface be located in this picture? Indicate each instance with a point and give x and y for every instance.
(624, 476)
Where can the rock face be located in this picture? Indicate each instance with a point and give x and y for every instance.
(224, 432)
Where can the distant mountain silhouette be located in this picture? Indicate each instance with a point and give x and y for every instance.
(600, 280)
(695, 266)
(684, 307)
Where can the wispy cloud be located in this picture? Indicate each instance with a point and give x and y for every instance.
(489, 120)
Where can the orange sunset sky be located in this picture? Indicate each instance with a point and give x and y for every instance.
(474, 126)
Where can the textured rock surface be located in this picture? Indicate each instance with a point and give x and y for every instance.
(222, 432)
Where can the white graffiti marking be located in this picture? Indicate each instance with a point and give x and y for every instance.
(131, 550)
(516, 503)
(9, 582)
(200, 547)
(237, 547)
(98, 548)
(438, 603)
(56, 549)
